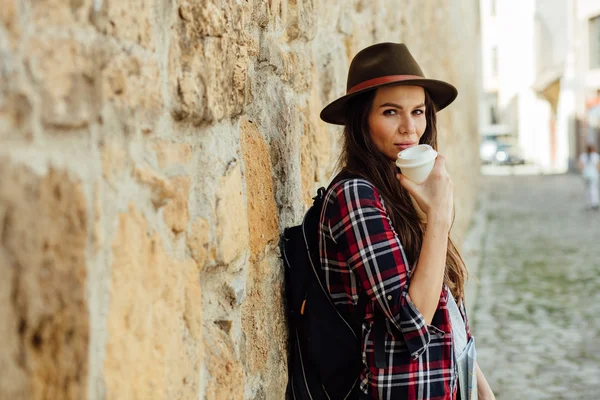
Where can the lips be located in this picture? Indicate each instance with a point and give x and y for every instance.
(404, 146)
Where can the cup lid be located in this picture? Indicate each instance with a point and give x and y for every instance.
(416, 156)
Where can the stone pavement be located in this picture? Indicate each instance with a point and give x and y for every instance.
(536, 317)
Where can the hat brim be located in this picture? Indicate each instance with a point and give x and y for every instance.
(441, 93)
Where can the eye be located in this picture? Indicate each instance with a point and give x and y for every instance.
(418, 112)
(390, 111)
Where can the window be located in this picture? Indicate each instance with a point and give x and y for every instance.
(493, 115)
(494, 61)
(595, 42)
(492, 99)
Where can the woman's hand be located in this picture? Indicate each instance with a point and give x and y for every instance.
(486, 396)
(435, 195)
(484, 392)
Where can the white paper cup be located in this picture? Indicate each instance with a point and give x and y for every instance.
(416, 162)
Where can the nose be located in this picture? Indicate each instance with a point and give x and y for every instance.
(406, 125)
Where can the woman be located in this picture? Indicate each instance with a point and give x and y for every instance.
(415, 337)
(589, 166)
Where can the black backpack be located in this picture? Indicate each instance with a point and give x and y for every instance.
(324, 345)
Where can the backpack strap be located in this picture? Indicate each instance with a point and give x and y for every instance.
(379, 339)
(363, 300)
(319, 199)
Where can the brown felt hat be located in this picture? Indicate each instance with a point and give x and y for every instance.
(385, 64)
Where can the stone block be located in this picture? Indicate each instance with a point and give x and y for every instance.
(170, 154)
(9, 19)
(226, 373)
(130, 21)
(203, 18)
(192, 314)
(198, 242)
(48, 13)
(301, 20)
(125, 84)
(177, 210)
(267, 12)
(149, 352)
(256, 318)
(264, 325)
(65, 73)
(293, 67)
(16, 108)
(44, 310)
(208, 62)
(232, 218)
(114, 160)
(315, 154)
(15, 115)
(161, 189)
(262, 210)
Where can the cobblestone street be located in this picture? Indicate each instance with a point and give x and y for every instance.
(537, 314)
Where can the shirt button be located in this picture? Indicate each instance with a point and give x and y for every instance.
(389, 296)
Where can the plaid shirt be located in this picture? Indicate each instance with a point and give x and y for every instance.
(360, 251)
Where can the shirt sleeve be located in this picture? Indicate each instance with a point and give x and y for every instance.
(376, 257)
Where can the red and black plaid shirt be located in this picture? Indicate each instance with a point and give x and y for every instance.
(361, 252)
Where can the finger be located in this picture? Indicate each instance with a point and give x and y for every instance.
(440, 161)
(407, 183)
(439, 168)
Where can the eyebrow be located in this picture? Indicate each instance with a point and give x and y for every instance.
(399, 106)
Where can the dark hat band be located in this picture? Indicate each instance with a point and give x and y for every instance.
(382, 80)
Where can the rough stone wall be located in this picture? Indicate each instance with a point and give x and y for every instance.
(150, 154)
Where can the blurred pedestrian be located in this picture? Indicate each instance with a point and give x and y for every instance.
(589, 166)
(416, 342)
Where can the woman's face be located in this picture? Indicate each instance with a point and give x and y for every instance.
(397, 118)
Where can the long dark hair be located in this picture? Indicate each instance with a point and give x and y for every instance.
(361, 157)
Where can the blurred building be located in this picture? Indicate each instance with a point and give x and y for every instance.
(541, 77)
(578, 114)
(490, 123)
(585, 48)
(523, 48)
(550, 142)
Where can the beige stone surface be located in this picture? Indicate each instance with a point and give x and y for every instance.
(170, 154)
(64, 70)
(226, 373)
(48, 13)
(315, 153)
(232, 219)
(114, 160)
(126, 84)
(198, 242)
(44, 316)
(14, 115)
(9, 15)
(142, 119)
(265, 326)
(176, 211)
(162, 189)
(262, 211)
(153, 349)
(208, 61)
(130, 22)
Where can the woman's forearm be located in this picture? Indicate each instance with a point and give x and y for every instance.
(428, 278)
(484, 392)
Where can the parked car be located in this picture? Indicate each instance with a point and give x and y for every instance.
(507, 154)
(494, 152)
(487, 151)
